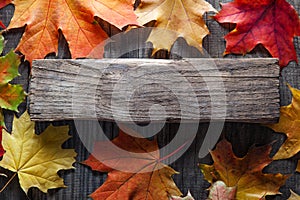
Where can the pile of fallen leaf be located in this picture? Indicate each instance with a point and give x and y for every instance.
(36, 159)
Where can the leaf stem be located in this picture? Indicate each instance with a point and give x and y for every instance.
(5, 186)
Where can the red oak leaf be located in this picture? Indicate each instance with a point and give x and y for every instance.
(272, 23)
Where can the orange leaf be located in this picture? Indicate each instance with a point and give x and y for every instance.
(272, 23)
(135, 173)
(289, 123)
(75, 18)
(243, 173)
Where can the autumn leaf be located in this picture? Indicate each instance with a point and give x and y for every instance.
(134, 173)
(289, 123)
(10, 95)
(243, 173)
(174, 18)
(272, 23)
(187, 197)
(294, 196)
(75, 18)
(219, 191)
(36, 159)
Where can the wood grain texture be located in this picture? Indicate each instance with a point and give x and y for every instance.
(188, 89)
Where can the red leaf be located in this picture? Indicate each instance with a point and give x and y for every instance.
(272, 23)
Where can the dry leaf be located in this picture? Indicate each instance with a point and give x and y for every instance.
(187, 197)
(294, 196)
(219, 191)
(289, 123)
(243, 173)
(148, 177)
(175, 18)
(75, 18)
(272, 23)
(36, 158)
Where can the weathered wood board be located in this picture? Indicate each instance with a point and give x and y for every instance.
(240, 90)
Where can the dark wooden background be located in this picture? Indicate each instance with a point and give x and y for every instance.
(82, 181)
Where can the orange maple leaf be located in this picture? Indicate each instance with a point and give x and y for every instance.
(272, 23)
(243, 173)
(75, 18)
(130, 175)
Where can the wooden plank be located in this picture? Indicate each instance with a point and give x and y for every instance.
(188, 89)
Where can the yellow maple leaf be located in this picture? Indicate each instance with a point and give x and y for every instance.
(174, 18)
(36, 159)
(289, 123)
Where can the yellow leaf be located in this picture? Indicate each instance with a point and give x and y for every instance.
(294, 196)
(289, 123)
(175, 18)
(36, 158)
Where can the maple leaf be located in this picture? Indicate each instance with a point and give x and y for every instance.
(294, 196)
(243, 173)
(219, 191)
(75, 18)
(289, 123)
(36, 159)
(272, 23)
(10, 95)
(174, 18)
(143, 176)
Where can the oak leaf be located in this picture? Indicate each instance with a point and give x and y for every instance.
(135, 173)
(243, 173)
(36, 159)
(272, 23)
(174, 18)
(219, 191)
(10, 95)
(294, 196)
(289, 123)
(75, 18)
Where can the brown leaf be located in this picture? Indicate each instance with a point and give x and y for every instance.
(243, 173)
